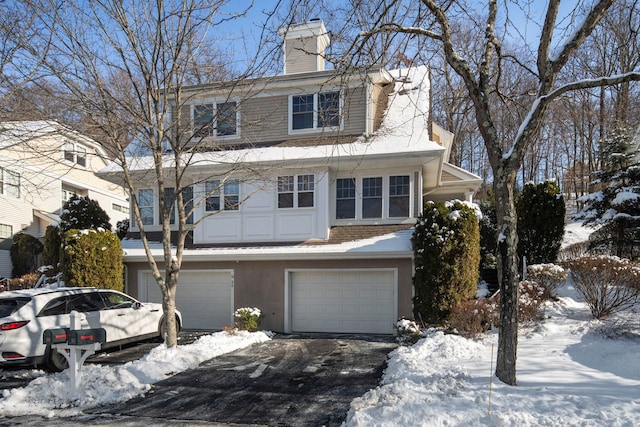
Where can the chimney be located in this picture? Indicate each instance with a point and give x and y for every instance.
(304, 46)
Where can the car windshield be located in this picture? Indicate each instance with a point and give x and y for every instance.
(8, 306)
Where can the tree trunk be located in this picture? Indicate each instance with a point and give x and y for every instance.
(507, 276)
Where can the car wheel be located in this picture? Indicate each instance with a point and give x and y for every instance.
(56, 362)
(162, 330)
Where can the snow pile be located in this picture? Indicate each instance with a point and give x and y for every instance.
(569, 374)
(51, 395)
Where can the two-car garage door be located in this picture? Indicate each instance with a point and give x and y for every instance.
(205, 298)
(343, 301)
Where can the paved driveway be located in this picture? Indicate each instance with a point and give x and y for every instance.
(288, 381)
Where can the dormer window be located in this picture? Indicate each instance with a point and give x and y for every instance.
(315, 111)
(219, 119)
(75, 153)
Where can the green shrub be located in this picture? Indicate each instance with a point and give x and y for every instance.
(52, 246)
(24, 252)
(608, 284)
(92, 258)
(248, 318)
(541, 212)
(446, 244)
(79, 213)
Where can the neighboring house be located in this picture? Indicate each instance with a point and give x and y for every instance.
(316, 194)
(42, 164)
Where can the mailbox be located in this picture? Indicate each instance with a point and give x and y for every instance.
(87, 336)
(55, 336)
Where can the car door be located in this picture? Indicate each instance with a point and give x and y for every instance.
(133, 319)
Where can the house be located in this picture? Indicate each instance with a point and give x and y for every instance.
(42, 164)
(312, 185)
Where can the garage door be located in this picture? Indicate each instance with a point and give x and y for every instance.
(205, 298)
(360, 301)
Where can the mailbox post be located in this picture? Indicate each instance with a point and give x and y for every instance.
(75, 344)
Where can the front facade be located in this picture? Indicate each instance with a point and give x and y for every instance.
(42, 164)
(305, 195)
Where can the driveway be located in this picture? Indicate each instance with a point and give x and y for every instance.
(288, 381)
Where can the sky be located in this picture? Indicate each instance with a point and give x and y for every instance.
(572, 371)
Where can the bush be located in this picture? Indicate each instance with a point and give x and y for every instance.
(608, 284)
(52, 246)
(472, 318)
(541, 212)
(26, 281)
(249, 318)
(549, 275)
(573, 251)
(408, 331)
(24, 252)
(122, 228)
(532, 296)
(92, 258)
(446, 244)
(79, 213)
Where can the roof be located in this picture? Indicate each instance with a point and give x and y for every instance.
(355, 242)
(15, 132)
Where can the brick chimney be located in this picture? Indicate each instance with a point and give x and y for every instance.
(304, 46)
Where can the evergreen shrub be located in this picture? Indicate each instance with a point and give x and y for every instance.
(541, 214)
(83, 213)
(52, 246)
(248, 318)
(446, 244)
(92, 258)
(24, 252)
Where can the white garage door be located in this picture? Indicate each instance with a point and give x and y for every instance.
(360, 301)
(205, 298)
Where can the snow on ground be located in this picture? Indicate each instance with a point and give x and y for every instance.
(569, 373)
(51, 395)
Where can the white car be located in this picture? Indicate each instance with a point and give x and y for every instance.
(26, 314)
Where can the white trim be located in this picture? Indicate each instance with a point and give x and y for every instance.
(315, 129)
(288, 283)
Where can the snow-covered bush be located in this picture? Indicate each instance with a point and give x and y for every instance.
(446, 244)
(83, 213)
(248, 318)
(408, 331)
(573, 251)
(608, 284)
(472, 318)
(550, 275)
(531, 297)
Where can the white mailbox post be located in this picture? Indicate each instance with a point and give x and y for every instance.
(75, 345)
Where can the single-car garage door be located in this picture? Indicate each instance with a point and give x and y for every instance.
(205, 298)
(343, 301)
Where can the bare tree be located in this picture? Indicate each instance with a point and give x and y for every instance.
(125, 65)
(510, 91)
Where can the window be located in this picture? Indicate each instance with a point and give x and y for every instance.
(145, 202)
(9, 183)
(118, 208)
(203, 120)
(222, 196)
(296, 191)
(6, 231)
(75, 153)
(372, 197)
(329, 109)
(315, 111)
(345, 198)
(305, 191)
(399, 196)
(215, 119)
(169, 204)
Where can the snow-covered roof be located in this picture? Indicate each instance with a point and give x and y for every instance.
(404, 133)
(392, 245)
(15, 132)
